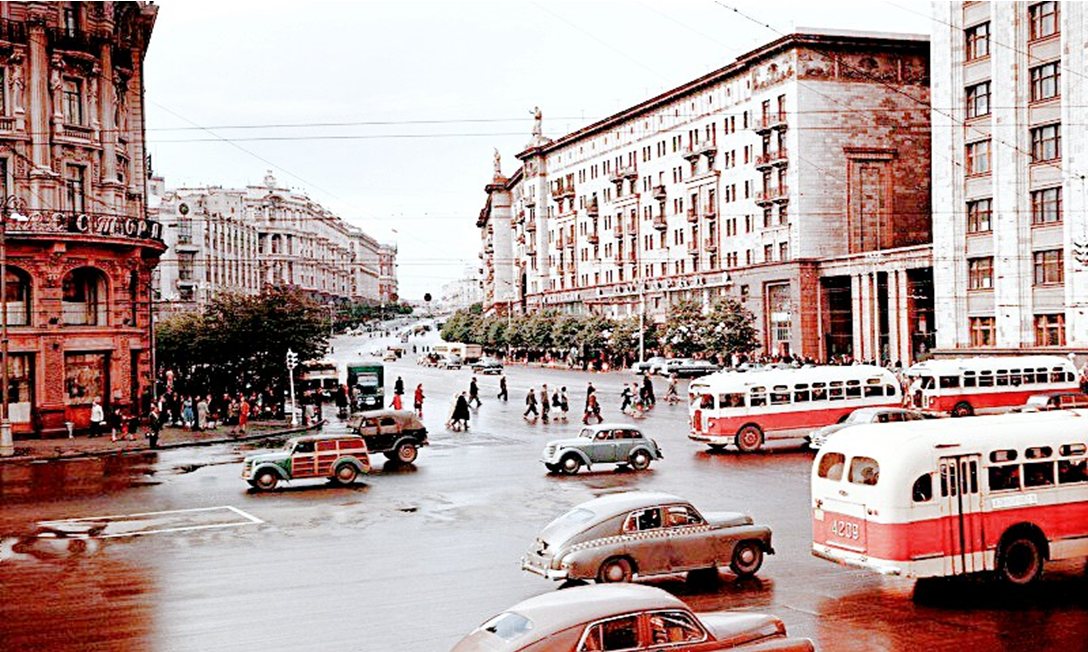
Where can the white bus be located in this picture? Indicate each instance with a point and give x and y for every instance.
(747, 408)
(939, 498)
(963, 386)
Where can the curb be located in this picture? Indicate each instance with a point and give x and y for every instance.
(143, 449)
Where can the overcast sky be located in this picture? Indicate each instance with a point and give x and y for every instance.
(388, 112)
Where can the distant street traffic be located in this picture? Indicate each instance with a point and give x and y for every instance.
(409, 559)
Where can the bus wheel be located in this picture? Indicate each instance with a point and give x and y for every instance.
(962, 410)
(1021, 560)
(749, 439)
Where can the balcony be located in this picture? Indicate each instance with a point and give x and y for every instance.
(618, 229)
(568, 241)
(620, 257)
(12, 32)
(660, 223)
(693, 247)
(530, 226)
(559, 192)
(710, 213)
(659, 193)
(771, 121)
(769, 159)
(779, 194)
(75, 40)
(593, 238)
(693, 215)
(521, 239)
(79, 132)
(592, 209)
(710, 244)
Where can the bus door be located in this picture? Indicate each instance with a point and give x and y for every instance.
(961, 509)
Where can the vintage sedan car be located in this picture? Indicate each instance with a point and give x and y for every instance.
(605, 443)
(694, 369)
(340, 458)
(1054, 401)
(397, 434)
(449, 361)
(624, 617)
(487, 366)
(619, 537)
(818, 437)
(650, 365)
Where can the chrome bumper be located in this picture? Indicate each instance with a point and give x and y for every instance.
(547, 573)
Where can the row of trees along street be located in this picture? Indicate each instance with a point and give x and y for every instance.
(726, 328)
(239, 343)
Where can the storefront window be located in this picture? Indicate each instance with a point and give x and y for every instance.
(84, 377)
(20, 367)
(18, 297)
(778, 307)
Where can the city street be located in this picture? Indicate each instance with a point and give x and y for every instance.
(412, 558)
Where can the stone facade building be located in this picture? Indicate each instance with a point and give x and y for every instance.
(243, 240)
(1011, 244)
(795, 179)
(79, 246)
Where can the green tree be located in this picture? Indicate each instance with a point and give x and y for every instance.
(729, 328)
(240, 343)
(684, 328)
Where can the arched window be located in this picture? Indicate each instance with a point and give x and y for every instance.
(18, 297)
(85, 297)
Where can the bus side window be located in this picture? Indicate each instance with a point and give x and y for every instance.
(1039, 474)
(923, 489)
(1072, 471)
(948, 382)
(853, 389)
(969, 379)
(831, 466)
(834, 392)
(874, 390)
(1014, 377)
(1057, 375)
(1004, 477)
(757, 397)
(780, 395)
(864, 470)
(818, 392)
(986, 379)
(1002, 378)
(706, 402)
(800, 395)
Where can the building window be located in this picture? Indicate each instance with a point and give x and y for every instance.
(1046, 206)
(1044, 19)
(978, 157)
(768, 253)
(84, 297)
(1046, 143)
(76, 188)
(979, 215)
(978, 41)
(980, 273)
(71, 19)
(1046, 81)
(1049, 267)
(1050, 330)
(783, 251)
(73, 101)
(983, 331)
(978, 100)
(18, 297)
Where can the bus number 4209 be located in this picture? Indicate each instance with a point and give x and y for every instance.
(845, 529)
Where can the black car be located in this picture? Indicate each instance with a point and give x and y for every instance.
(694, 369)
(487, 366)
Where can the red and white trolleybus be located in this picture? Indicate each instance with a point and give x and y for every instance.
(964, 386)
(938, 498)
(747, 408)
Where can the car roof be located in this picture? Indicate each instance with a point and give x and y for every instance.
(610, 426)
(402, 416)
(558, 610)
(611, 504)
(325, 436)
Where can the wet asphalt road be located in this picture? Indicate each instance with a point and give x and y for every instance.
(413, 558)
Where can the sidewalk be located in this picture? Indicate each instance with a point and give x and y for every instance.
(31, 450)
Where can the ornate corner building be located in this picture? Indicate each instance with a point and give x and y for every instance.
(80, 248)
(795, 179)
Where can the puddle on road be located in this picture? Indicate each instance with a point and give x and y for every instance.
(65, 478)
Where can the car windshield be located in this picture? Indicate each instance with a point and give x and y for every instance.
(1038, 400)
(859, 416)
(508, 626)
(588, 433)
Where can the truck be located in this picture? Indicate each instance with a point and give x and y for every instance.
(467, 352)
(366, 385)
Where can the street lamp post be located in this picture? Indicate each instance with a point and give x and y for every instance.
(7, 445)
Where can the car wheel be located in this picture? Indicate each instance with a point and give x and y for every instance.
(640, 460)
(407, 453)
(266, 480)
(1021, 560)
(617, 569)
(552, 468)
(749, 439)
(570, 464)
(346, 474)
(747, 558)
(963, 410)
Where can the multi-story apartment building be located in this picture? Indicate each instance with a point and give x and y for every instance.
(795, 179)
(462, 293)
(1012, 240)
(387, 273)
(79, 246)
(242, 240)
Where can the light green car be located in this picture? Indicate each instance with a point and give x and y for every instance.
(606, 443)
